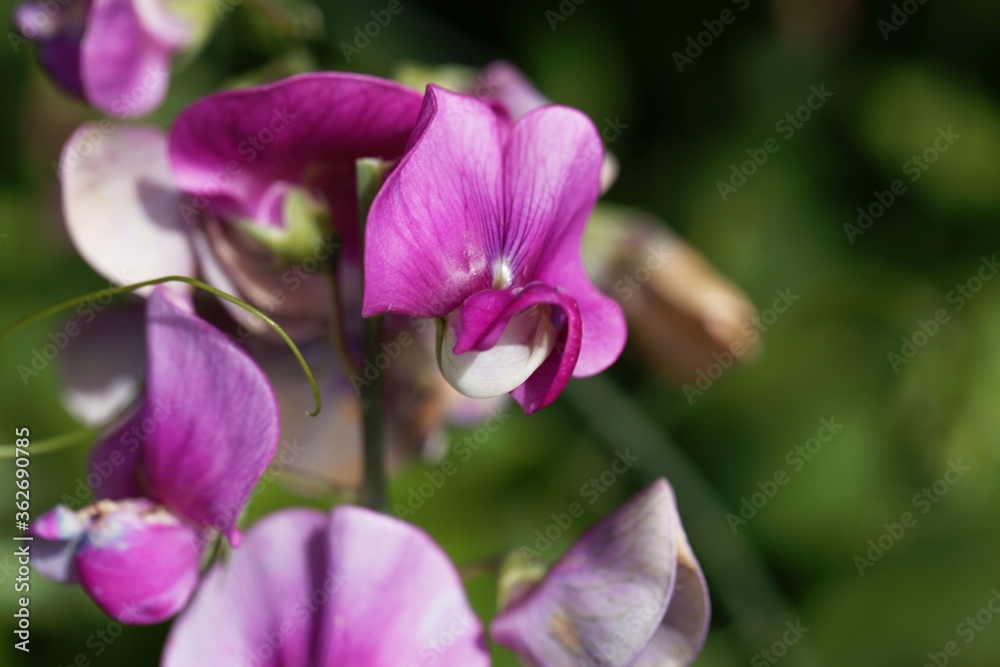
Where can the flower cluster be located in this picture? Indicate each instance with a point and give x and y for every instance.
(444, 237)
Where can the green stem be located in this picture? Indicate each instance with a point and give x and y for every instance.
(124, 289)
(63, 441)
(374, 492)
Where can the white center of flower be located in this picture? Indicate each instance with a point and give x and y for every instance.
(503, 275)
(524, 345)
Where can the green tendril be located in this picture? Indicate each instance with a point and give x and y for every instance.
(124, 289)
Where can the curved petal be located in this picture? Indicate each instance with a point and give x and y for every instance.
(505, 82)
(433, 231)
(125, 71)
(230, 148)
(114, 463)
(262, 606)
(58, 37)
(420, 613)
(212, 415)
(678, 640)
(101, 369)
(120, 203)
(552, 178)
(138, 561)
(60, 531)
(496, 344)
(605, 598)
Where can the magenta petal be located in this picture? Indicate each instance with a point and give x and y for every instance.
(401, 601)
(139, 562)
(114, 464)
(607, 596)
(434, 227)
(255, 608)
(484, 316)
(552, 180)
(232, 147)
(210, 417)
(125, 71)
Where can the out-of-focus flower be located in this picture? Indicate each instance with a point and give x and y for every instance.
(170, 476)
(114, 54)
(481, 224)
(350, 588)
(628, 592)
(252, 189)
(681, 311)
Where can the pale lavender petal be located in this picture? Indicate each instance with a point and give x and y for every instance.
(434, 230)
(263, 605)
(218, 423)
(125, 71)
(138, 561)
(552, 179)
(505, 82)
(102, 366)
(401, 601)
(680, 637)
(486, 314)
(59, 531)
(233, 148)
(604, 600)
(120, 203)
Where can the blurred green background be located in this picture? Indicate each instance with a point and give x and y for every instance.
(826, 358)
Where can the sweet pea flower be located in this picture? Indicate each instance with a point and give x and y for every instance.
(629, 592)
(114, 54)
(350, 589)
(170, 476)
(254, 190)
(481, 225)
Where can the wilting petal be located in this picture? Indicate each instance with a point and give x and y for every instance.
(121, 206)
(604, 600)
(419, 614)
(263, 606)
(125, 71)
(101, 369)
(231, 148)
(509, 341)
(552, 169)
(138, 562)
(60, 531)
(434, 227)
(212, 416)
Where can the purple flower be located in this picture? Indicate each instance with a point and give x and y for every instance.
(481, 224)
(115, 54)
(177, 471)
(350, 588)
(628, 593)
(239, 168)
